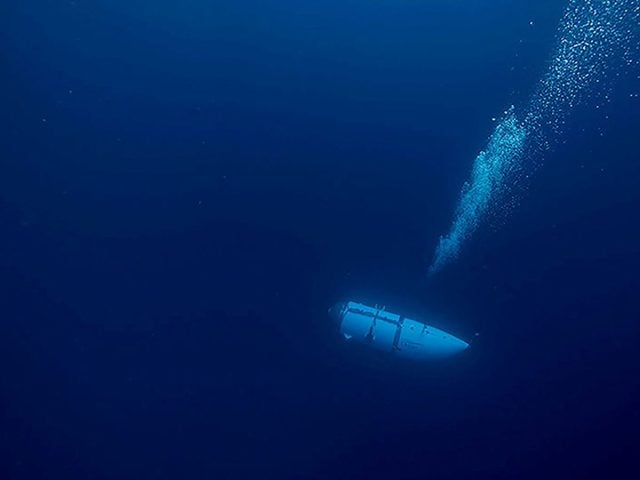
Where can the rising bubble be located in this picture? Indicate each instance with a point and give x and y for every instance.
(597, 39)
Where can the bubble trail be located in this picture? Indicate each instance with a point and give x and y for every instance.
(594, 37)
(489, 171)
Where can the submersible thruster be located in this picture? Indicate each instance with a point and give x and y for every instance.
(383, 330)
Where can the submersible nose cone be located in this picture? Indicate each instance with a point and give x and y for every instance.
(336, 311)
(458, 345)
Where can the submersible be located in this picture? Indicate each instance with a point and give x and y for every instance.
(391, 332)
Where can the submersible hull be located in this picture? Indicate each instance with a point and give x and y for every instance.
(390, 332)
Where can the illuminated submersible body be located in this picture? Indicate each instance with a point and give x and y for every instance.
(390, 332)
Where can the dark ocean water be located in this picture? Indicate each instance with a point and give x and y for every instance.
(186, 187)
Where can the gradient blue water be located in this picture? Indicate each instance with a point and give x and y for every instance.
(185, 187)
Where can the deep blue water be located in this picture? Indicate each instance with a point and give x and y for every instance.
(186, 187)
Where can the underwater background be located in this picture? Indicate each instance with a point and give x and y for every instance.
(187, 187)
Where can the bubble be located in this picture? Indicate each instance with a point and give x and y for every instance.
(490, 169)
(596, 40)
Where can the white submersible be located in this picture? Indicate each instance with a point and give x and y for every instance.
(390, 332)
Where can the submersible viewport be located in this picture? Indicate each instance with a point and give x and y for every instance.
(390, 332)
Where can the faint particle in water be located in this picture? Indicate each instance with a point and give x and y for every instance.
(591, 36)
